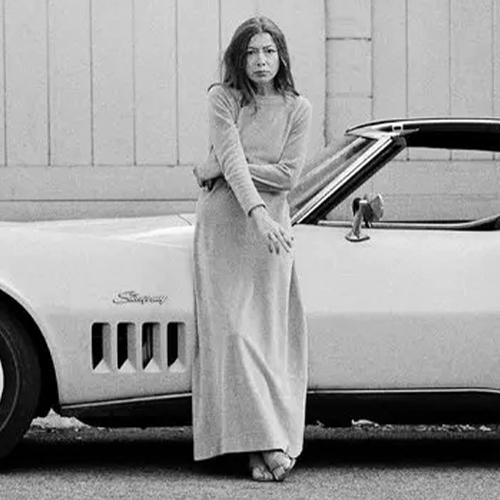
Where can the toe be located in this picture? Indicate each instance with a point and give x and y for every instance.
(258, 468)
(260, 474)
(279, 463)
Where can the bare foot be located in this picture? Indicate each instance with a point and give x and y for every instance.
(279, 463)
(258, 468)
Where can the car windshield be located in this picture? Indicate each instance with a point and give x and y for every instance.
(325, 167)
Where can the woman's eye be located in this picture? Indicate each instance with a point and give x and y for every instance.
(253, 52)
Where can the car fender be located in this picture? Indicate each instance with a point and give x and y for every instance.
(69, 282)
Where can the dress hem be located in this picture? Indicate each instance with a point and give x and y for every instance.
(198, 457)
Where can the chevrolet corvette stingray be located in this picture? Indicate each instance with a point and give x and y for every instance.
(97, 316)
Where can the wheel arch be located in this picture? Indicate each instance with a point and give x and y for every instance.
(49, 390)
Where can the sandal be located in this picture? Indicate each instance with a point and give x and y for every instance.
(278, 468)
(258, 468)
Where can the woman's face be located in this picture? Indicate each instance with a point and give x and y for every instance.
(262, 61)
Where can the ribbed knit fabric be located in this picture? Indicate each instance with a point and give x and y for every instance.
(250, 366)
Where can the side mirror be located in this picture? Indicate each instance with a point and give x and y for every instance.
(369, 209)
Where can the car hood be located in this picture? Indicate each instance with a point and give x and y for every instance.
(166, 229)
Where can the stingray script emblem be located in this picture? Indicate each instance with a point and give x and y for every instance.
(132, 297)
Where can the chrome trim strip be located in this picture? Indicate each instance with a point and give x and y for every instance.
(330, 188)
(451, 390)
(411, 226)
(113, 402)
(319, 392)
(374, 134)
(338, 154)
(374, 125)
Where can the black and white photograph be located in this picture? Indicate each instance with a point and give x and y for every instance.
(250, 249)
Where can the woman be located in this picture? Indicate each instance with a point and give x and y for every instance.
(250, 367)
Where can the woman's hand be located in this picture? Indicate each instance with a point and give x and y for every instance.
(273, 233)
(207, 172)
(202, 182)
(197, 175)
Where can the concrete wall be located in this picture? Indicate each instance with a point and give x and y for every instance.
(102, 102)
(418, 58)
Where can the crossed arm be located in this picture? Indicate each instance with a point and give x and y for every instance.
(227, 157)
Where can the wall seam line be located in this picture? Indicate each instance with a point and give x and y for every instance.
(134, 87)
(48, 82)
(91, 86)
(493, 76)
(4, 62)
(450, 86)
(327, 79)
(219, 48)
(372, 65)
(406, 60)
(449, 58)
(177, 76)
(372, 76)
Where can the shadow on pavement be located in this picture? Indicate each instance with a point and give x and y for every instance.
(92, 449)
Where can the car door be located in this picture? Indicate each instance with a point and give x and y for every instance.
(405, 309)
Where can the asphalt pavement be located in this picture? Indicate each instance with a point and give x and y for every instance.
(365, 462)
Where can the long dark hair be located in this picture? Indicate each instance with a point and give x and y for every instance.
(234, 62)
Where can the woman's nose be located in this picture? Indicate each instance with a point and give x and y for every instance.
(261, 59)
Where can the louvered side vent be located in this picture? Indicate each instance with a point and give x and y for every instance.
(149, 347)
(176, 357)
(101, 347)
(125, 347)
(151, 350)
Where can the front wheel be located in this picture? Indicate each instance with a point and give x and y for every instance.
(19, 381)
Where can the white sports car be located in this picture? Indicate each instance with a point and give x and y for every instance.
(97, 316)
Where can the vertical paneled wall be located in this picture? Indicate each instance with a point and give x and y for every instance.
(103, 102)
(394, 58)
(69, 93)
(26, 83)
(349, 64)
(418, 58)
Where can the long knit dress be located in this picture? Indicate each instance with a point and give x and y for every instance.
(250, 366)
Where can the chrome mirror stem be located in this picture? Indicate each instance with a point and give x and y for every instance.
(355, 234)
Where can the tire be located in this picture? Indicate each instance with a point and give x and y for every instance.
(19, 381)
